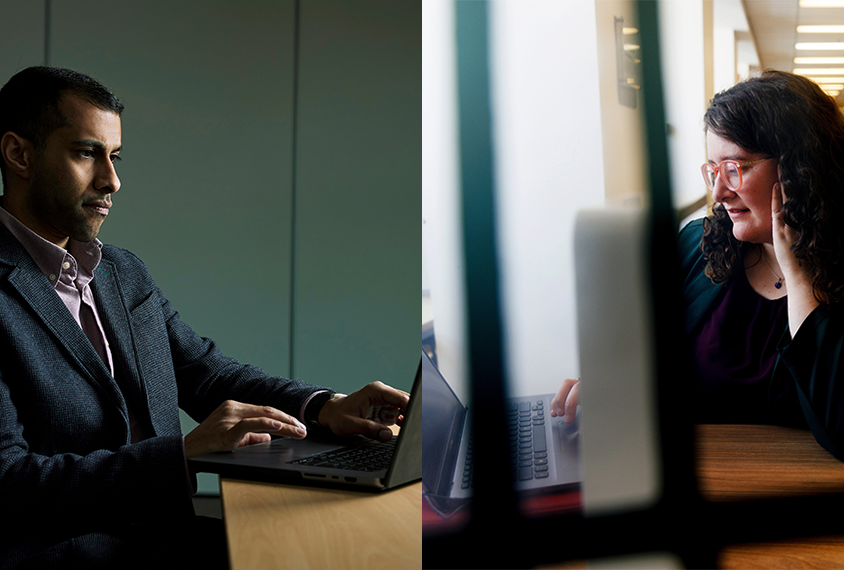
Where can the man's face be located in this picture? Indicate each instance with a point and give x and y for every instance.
(74, 178)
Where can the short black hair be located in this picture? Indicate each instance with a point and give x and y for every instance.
(30, 102)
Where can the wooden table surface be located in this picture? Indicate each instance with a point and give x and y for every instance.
(742, 462)
(737, 462)
(284, 526)
(747, 462)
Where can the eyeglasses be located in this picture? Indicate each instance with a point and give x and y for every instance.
(730, 171)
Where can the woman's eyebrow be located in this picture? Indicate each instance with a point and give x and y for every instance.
(736, 157)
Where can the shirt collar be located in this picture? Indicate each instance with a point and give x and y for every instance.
(51, 258)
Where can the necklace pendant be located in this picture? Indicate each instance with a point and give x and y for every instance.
(778, 284)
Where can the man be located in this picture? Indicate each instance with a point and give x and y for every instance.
(94, 362)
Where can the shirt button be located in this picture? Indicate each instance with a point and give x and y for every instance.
(66, 265)
(52, 276)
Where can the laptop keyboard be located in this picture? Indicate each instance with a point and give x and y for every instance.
(368, 456)
(526, 428)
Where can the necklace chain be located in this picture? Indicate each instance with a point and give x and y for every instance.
(779, 281)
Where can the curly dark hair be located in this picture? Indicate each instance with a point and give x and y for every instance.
(789, 118)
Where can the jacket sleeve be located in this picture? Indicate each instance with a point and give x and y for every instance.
(814, 360)
(55, 496)
(66, 464)
(176, 363)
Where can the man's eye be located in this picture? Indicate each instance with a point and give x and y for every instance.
(87, 153)
(115, 158)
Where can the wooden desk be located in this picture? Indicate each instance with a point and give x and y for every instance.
(754, 462)
(282, 526)
(739, 462)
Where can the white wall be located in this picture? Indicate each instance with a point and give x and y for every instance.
(549, 159)
(624, 149)
(728, 18)
(442, 244)
(682, 40)
(562, 141)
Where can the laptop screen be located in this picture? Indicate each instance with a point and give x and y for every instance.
(442, 423)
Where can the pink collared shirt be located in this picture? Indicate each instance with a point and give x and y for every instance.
(70, 272)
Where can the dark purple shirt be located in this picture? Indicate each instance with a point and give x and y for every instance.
(734, 353)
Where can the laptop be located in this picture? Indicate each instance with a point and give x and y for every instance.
(546, 456)
(330, 461)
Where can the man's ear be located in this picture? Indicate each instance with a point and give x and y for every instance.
(18, 153)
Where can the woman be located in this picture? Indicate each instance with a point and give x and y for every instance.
(764, 274)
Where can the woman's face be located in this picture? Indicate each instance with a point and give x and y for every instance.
(750, 207)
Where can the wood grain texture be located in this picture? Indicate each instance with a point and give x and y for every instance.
(742, 462)
(281, 526)
(737, 462)
(808, 553)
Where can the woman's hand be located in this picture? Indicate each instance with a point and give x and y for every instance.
(784, 236)
(801, 297)
(566, 400)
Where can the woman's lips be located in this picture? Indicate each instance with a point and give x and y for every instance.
(734, 212)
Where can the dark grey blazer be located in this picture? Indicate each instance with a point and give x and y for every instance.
(68, 472)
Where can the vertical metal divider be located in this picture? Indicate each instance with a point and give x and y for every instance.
(682, 522)
(493, 507)
(680, 499)
(486, 540)
(496, 526)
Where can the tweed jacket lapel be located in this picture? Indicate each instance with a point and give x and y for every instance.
(112, 309)
(22, 273)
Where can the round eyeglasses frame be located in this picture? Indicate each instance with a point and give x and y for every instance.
(706, 168)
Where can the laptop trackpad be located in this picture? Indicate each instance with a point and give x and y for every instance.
(284, 450)
(567, 443)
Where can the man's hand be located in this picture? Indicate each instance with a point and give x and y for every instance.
(369, 411)
(234, 425)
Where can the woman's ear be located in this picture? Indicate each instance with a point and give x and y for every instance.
(18, 154)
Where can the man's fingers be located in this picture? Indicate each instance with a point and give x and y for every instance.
(265, 425)
(241, 410)
(371, 429)
(385, 395)
(238, 412)
(252, 438)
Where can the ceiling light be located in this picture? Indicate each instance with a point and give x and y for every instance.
(820, 29)
(825, 60)
(832, 93)
(808, 71)
(819, 45)
(833, 87)
(825, 80)
(628, 31)
(822, 3)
